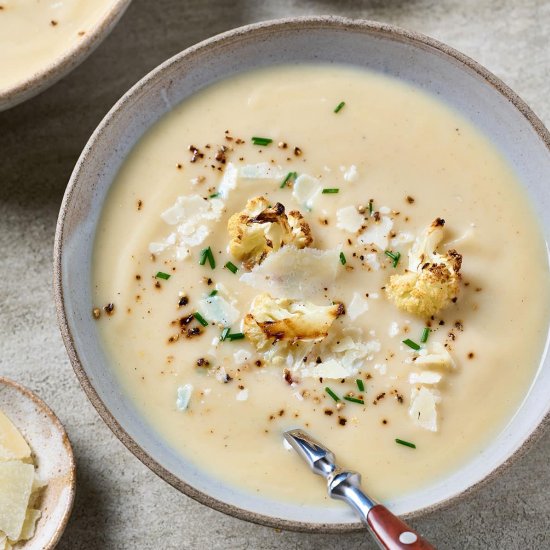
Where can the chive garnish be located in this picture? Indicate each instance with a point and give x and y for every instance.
(371, 208)
(339, 106)
(360, 384)
(425, 334)
(224, 333)
(162, 275)
(232, 267)
(332, 394)
(206, 253)
(330, 190)
(200, 319)
(354, 400)
(261, 140)
(290, 176)
(235, 336)
(213, 293)
(411, 344)
(394, 256)
(214, 195)
(406, 443)
(342, 258)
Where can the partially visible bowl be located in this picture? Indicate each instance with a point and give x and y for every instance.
(434, 67)
(52, 455)
(58, 67)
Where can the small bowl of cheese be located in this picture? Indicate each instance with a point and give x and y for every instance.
(40, 42)
(37, 471)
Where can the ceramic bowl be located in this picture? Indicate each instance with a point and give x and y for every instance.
(53, 456)
(60, 66)
(434, 67)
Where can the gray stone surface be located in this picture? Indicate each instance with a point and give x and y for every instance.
(120, 503)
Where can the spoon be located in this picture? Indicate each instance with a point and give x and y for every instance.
(387, 529)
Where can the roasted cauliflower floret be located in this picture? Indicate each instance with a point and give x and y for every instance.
(431, 281)
(272, 320)
(260, 229)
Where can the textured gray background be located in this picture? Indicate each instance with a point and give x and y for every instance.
(121, 504)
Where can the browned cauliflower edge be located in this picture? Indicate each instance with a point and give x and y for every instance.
(432, 281)
(271, 320)
(260, 229)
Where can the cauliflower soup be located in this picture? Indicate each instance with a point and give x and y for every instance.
(35, 33)
(327, 248)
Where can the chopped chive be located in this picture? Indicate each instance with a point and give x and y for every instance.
(330, 190)
(232, 267)
(211, 260)
(411, 344)
(290, 176)
(261, 140)
(394, 256)
(406, 443)
(371, 208)
(203, 256)
(200, 319)
(425, 334)
(342, 258)
(214, 195)
(354, 400)
(213, 293)
(360, 384)
(235, 336)
(339, 106)
(162, 275)
(224, 333)
(332, 394)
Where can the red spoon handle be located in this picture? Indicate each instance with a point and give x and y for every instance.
(392, 533)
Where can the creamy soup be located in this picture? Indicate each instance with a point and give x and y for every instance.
(35, 33)
(228, 323)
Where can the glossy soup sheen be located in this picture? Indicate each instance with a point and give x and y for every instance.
(412, 155)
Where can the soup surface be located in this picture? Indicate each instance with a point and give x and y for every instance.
(35, 33)
(325, 346)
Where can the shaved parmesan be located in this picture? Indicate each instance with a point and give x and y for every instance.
(242, 395)
(184, 396)
(424, 377)
(29, 524)
(357, 306)
(262, 170)
(402, 238)
(12, 444)
(438, 356)
(241, 356)
(305, 190)
(229, 180)
(371, 259)
(330, 369)
(190, 214)
(216, 309)
(295, 273)
(350, 174)
(377, 233)
(422, 410)
(16, 479)
(393, 330)
(349, 219)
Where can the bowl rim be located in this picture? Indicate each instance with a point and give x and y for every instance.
(60, 66)
(41, 404)
(310, 22)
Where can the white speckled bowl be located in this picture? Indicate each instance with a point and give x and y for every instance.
(52, 455)
(71, 58)
(421, 61)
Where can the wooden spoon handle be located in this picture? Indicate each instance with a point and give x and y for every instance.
(392, 533)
